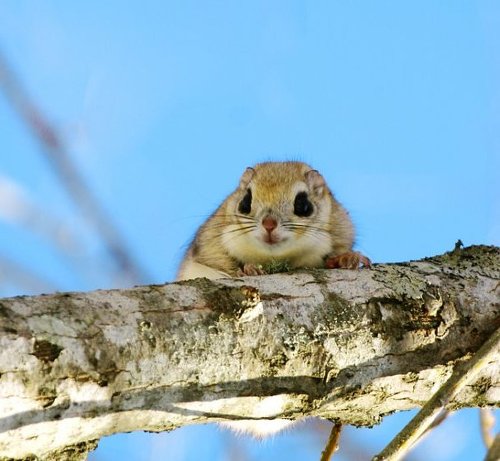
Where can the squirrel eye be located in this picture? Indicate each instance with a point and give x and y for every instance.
(302, 206)
(245, 205)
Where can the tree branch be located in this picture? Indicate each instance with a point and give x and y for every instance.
(351, 346)
(404, 441)
(73, 181)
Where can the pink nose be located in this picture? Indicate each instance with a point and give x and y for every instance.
(269, 223)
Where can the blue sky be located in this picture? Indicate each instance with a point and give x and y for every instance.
(163, 104)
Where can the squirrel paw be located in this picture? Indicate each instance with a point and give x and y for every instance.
(250, 269)
(349, 260)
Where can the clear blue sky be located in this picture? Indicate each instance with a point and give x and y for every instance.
(163, 105)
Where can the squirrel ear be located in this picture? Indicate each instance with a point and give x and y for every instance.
(246, 178)
(315, 182)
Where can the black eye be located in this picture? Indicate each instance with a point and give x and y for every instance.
(302, 206)
(245, 205)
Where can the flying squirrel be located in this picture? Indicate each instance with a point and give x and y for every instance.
(281, 212)
(283, 215)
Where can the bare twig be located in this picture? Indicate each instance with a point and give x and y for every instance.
(20, 276)
(320, 429)
(487, 422)
(17, 208)
(402, 443)
(494, 451)
(332, 443)
(439, 419)
(56, 153)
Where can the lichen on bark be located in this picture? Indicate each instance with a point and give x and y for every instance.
(351, 346)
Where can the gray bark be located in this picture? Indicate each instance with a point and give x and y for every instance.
(351, 346)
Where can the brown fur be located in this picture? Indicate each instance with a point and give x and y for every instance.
(223, 243)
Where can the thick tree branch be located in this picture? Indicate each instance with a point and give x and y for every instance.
(344, 345)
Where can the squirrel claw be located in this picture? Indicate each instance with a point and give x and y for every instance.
(250, 269)
(349, 260)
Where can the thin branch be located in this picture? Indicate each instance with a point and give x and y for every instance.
(440, 418)
(494, 451)
(29, 282)
(487, 423)
(320, 429)
(57, 154)
(17, 208)
(333, 443)
(403, 442)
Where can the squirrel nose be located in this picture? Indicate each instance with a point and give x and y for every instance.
(269, 223)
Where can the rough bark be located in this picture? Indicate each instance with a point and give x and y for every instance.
(351, 346)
